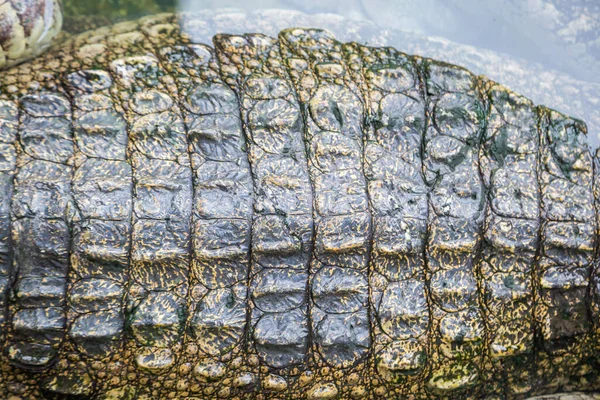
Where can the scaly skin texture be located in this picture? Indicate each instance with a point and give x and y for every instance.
(288, 217)
(27, 28)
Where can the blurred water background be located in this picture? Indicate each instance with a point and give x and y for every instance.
(547, 50)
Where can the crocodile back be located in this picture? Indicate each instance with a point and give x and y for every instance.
(287, 217)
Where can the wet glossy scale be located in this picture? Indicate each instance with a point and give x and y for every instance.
(283, 217)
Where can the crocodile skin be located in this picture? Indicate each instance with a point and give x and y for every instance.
(27, 29)
(287, 217)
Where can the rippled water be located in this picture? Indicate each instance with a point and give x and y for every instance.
(547, 50)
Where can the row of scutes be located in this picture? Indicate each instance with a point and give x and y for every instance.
(295, 216)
